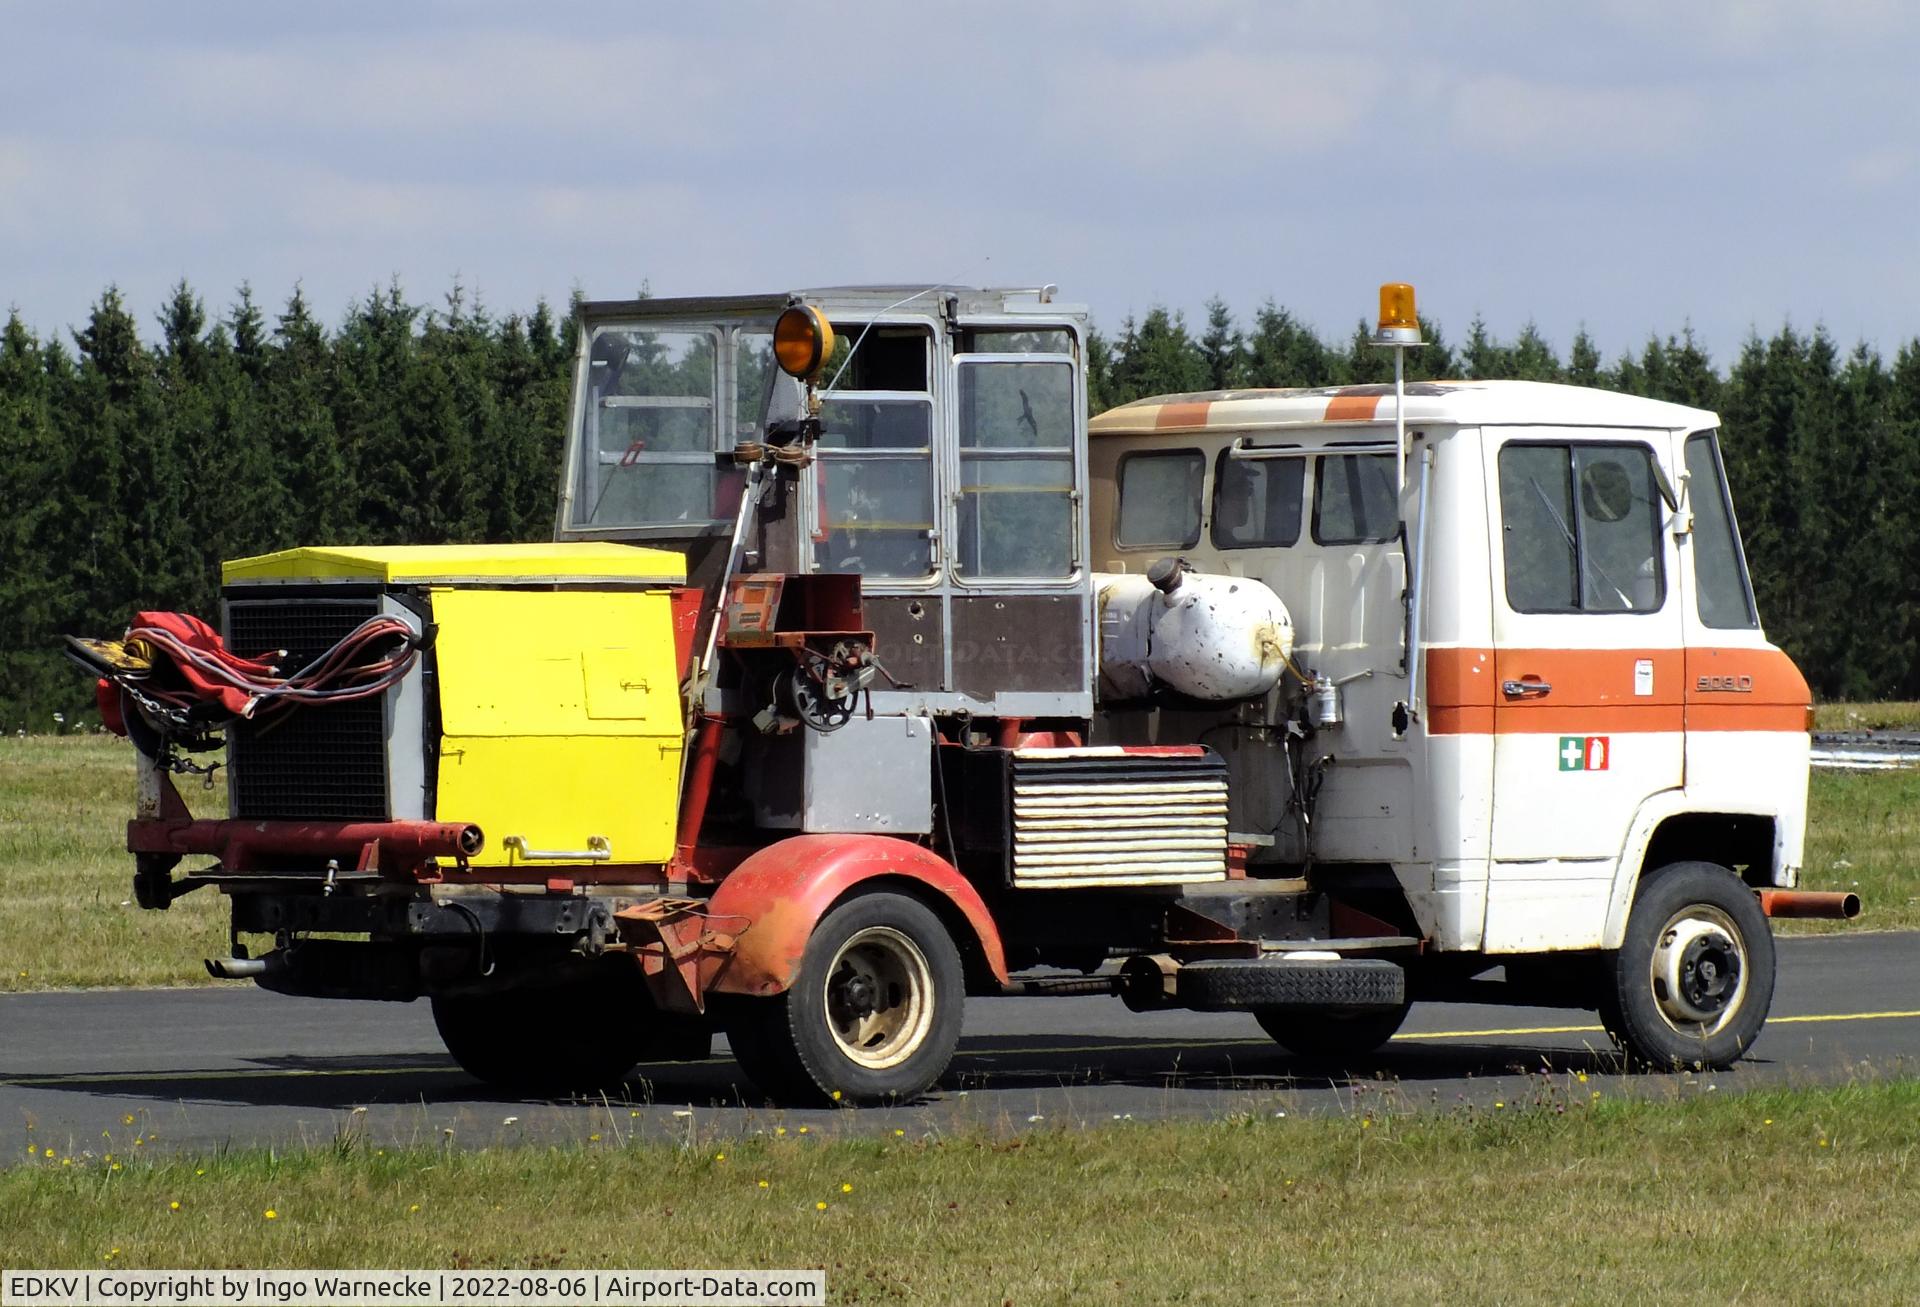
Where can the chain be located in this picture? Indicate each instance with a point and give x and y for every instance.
(180, 766)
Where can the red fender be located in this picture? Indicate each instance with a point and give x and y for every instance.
(779, 894)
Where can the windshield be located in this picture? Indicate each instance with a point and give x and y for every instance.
(658, 406)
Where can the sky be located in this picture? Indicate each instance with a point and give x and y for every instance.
(1630, 168)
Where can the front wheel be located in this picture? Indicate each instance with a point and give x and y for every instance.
(873, 1014)
(1693, 979)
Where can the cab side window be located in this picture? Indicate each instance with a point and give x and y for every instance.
(1256, 501)
(1722, 591)
(1353, 500)
(1580, 529)
(875, 457)
(1160, 499)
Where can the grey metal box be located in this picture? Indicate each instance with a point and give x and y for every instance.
(868, 777)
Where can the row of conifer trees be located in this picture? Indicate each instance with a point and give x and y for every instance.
(132, 461)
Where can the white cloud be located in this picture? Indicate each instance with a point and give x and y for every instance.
(435, 82)
(1213, 104)
(1878, 170)
(1517, 116)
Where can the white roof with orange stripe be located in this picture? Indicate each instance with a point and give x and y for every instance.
(1452, 403)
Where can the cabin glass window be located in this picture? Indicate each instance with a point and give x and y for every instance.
(1160, 500)
(754, 372)
(1016, 340)
(1723, 593)
(1353, 500)
(652, 424)
(873, 468)
(1257, 501)
(1016, 470)
(1580, 529)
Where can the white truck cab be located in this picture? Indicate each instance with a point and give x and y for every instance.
(1591, 708)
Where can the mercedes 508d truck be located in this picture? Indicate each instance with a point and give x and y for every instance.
(865, 673)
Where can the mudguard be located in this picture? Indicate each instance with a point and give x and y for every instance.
(772, 901)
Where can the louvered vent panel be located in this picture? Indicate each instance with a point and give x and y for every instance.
(1107, 817)
(320, 763)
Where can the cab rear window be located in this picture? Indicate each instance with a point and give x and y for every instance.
(1353, 500)
(1257, 501)
(1160, 499)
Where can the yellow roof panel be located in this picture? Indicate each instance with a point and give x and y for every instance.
(594, 560)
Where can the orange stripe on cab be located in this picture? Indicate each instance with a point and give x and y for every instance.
(1352, 408)
(1183, 413)
(1594, 691)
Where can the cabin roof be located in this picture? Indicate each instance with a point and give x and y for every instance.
(1452, 403)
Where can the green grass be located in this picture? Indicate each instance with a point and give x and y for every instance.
(1863, 834)
(66, 879)
(1867, 717)
(1771, 1196)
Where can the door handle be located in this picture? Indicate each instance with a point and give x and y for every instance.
(1526, 688)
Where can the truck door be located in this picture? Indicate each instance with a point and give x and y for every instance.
(1016, 533)
(1588, 667)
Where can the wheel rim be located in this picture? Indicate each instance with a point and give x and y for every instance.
(879, 998)
(1699, 971)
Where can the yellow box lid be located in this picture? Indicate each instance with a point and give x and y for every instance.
(586, 560)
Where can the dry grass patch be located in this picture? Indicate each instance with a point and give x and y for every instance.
(1769, 1196)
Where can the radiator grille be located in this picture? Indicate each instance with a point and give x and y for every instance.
(1107, 817)
(316, 763)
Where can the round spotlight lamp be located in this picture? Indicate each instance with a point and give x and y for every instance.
(802, 341)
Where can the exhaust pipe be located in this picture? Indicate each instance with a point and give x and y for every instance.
(236, 968)
(1809, 904)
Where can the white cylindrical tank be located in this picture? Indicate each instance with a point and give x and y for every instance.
(1209, 637)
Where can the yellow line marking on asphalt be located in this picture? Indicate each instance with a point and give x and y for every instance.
(1199, 1045)
(1844, 1016)
(1493, 1034)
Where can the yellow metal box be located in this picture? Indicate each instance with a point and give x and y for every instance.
(560, 721)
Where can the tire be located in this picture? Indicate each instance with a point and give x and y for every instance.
(564, 1039)
(1332, 1033)
(1247, 985)
(1693, 979)
(873, 1014)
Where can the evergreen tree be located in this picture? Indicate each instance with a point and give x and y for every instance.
(1583, 361)
(1282, 352)
(297, 413)
(1223, 348)
(1531, 358)
(33, 680)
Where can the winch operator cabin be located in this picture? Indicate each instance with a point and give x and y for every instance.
(865, 673)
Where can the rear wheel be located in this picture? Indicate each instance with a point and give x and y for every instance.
(873, 1014)
(1332, 1032)
(1693, 979)
(570, 1038)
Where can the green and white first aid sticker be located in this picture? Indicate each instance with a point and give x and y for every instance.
(1585, 753)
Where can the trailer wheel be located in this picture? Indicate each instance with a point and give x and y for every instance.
(1330, 1033)
(873, 1014)
(561, 1039)
(1693, 979)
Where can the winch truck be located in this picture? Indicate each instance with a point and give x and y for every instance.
(865, 673)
